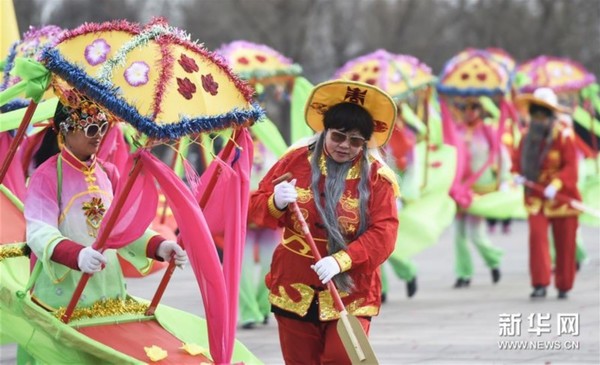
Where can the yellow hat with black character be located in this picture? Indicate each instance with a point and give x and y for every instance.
(377, 102)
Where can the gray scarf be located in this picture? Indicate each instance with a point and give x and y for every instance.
(536, 145)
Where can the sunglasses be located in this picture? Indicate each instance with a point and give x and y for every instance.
(470, 106)
(92, 130)
(339, 137)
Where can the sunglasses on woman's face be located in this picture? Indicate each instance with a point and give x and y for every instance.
(339, 137)
(92, 130)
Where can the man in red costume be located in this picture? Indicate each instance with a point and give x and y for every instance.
(547, 157)
(348, 198)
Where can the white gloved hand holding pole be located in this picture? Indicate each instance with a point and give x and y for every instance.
(90, 261)
(285, 193)
(550, 191)
(170, 249)
(326, 268)
(519, 180)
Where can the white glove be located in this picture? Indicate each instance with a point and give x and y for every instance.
(519, 180)
(169, 249)
(399, 204)
(550, 191)
(326, 268)
(90, 261)
(504, 187)
(285, 193)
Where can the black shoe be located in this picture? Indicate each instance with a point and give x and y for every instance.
(249, 325)
(462, 283)
(495, 275)
(538, 292)
(266, 320)
(562, 294)
(411, 287)
(383, 297)
(577, 266)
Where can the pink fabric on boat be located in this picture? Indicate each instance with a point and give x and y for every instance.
(115, 150)
(235, 236)
(15, 178)
(136, 213)
(202, 254)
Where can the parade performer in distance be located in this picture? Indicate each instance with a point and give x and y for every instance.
(547, 157)
(348, 198)
(478, 140)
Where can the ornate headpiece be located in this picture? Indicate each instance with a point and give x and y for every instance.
(78, 111)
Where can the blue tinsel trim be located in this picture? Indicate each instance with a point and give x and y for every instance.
(14, 105)
(10, 62)
(453, 91)
(107, 96)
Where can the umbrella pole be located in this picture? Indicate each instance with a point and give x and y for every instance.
(18, 138)
(137, 168)
(203, 201)
(163, 215)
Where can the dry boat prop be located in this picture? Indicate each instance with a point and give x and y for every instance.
(166, 86)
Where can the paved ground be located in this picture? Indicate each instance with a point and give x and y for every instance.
(442, 325)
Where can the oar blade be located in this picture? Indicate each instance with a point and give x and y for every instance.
(361, 337)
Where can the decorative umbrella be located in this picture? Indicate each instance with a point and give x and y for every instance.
(559, 74)
(258, 63)
(18, 78)
(166, 86)
(31, 46)
(475, 72)
(397, 74)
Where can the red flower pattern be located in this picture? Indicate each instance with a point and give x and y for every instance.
(189, 64)
(186, 87)
(243, 60)
(209, 84)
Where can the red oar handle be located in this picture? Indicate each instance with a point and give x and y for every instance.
(17, 140)
(311, 242)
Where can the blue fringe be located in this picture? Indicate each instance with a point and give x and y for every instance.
(107, 95)
(10, 62)
(14, 105)
(453, 91)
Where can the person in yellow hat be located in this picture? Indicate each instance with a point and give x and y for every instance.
(547, 158)
(348, 197)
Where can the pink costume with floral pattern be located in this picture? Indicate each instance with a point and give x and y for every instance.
(65, 204)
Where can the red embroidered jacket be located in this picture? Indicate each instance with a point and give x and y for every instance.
(559, 168)
(292, 283)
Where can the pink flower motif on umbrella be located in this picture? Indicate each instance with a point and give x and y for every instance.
(97, 52)
(188, 64)
(137, 73)
(186, 88)
(209, 85)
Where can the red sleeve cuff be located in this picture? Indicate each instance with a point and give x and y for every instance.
(67, 253)
(152, 247)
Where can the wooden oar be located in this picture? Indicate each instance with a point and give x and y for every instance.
(349, 329)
